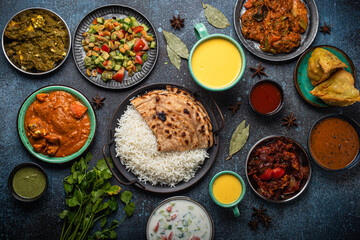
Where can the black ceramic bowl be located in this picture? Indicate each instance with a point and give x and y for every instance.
(278, 86)
(356, 126)
(11, 177)
(303, 159)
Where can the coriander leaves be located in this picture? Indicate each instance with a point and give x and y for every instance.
(90, 198)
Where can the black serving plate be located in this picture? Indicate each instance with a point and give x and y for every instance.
(306, 38)
(130, 177)
(107, 12)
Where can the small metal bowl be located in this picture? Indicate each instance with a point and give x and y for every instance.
(302, 156)
(11, 177)
(353, 123)
(278, 86)
(34, 71)
(212, 226)
(48, 89)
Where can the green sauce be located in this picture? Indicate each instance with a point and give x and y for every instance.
(29, 182)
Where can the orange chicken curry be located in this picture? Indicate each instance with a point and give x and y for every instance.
(57, 124)
(276, 24)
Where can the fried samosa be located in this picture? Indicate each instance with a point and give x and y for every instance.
(322, 64)
(338, 90)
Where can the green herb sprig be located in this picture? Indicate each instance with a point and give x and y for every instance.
(90, 197)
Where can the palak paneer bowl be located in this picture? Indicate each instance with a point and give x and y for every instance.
(36, 41)
(56, 124)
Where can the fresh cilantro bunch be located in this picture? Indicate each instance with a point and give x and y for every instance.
(88, 198)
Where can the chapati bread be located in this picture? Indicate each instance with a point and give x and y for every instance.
(177, 119)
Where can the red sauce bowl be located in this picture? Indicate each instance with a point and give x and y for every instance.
(266, 97)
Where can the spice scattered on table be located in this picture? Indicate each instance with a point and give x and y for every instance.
(266, 220)
(253, 224)
(238, 139)
(234, 107)
(258, 71)
(258, 212)
(215, 17)
(98, 102)
(289, 121)
(259, 215)
(177, 22)
(325, 29)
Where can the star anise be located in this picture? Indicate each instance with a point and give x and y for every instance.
(98, 102)
(178, 22)
(258, 212)
(234, 108)
(253, 224)
(289, 121)
(258, 71)
(265, 219)
(325, 29)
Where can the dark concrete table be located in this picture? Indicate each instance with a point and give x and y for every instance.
(328, 209)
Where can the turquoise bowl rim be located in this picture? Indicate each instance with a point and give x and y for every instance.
(242, 55)
(30, 99)
(350, 68)
(241, 195)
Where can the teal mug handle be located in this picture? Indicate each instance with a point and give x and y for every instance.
(200, 31)
(236, 211)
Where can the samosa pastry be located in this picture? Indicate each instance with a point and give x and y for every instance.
(322, 64)
(338, 90)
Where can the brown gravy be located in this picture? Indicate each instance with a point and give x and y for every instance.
(334, 143)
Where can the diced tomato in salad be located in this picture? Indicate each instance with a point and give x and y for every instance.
(105, 48)
(139, 45)
(119, 75)
(138, 29)
(138, 59)
(171, 234)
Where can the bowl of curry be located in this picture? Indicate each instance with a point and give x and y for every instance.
(277, 30)
(56, 124)
(334, 142)
(278, 169)
(36, 41)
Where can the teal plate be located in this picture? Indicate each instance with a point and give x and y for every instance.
(21, 128)
(302, 82)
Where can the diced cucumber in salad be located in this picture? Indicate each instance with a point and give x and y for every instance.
(114, 46)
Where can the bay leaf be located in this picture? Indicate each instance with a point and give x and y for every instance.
(176, 44)
(215, 17)
(174, 58)
(238, 139)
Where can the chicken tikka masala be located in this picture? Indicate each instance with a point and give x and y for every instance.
(57, 124)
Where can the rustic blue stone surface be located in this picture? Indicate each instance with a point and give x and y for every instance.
(328, 209)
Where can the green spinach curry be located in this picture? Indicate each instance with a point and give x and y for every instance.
(37, 39)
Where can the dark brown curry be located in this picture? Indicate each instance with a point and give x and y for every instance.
(37, 40)
(276, 24)
(57, 124)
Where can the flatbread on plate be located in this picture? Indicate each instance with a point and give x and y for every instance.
(177, 119)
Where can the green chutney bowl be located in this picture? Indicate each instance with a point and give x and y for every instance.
(202, 35)
(48, 89)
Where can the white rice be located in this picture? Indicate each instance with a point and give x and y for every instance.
(136, 146)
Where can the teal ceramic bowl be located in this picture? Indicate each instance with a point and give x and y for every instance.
(241, 195)
(202, 35)
(48, 89)
(303, 83)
